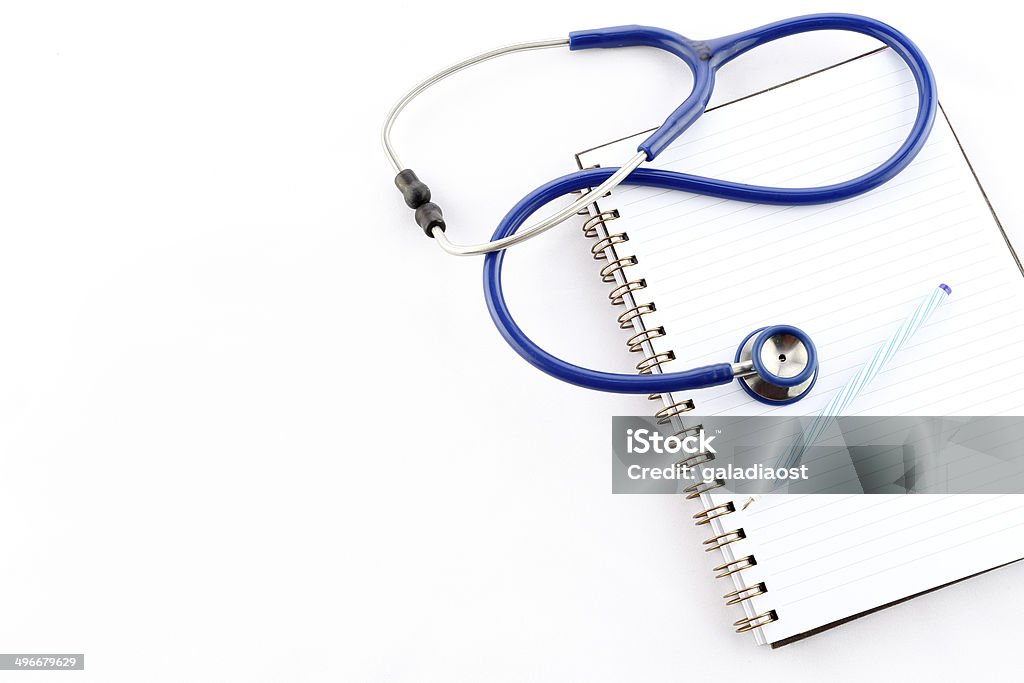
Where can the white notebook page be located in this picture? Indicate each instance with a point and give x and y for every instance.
(846, 273)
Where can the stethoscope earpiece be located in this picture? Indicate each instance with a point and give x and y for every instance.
(777, 365)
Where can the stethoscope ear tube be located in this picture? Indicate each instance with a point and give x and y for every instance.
(703, 57)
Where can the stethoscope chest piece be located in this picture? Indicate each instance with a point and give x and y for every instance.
(778, 364)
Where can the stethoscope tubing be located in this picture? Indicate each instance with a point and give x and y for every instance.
(720, 51)
(705, 57)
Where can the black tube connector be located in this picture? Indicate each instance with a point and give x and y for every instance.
(417, 197)
(428, 217)
(414, 190)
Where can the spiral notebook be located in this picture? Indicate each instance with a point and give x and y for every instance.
(692, 275)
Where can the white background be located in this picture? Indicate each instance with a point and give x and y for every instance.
(253, 426)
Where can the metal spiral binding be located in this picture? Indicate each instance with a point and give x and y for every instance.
(617, 294)
(635, 344)
(692, 460)
(646, 365)
(705, 516)
(598, 248)
(614, 272)
(608, 271)
(744, 593)
(666, 414)
(730, 568)
(696, 459)
(722, 540)
(590, 225)
(627, 317)
(688, 431)
(694, 490)
(623, 293)
(750, 623)
(738, 596)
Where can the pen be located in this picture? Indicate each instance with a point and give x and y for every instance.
(845, 396)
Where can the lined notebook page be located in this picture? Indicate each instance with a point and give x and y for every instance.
(847, 273)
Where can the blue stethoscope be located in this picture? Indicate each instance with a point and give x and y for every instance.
(775, 365)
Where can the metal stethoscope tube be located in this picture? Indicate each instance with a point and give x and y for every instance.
(526, 233)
